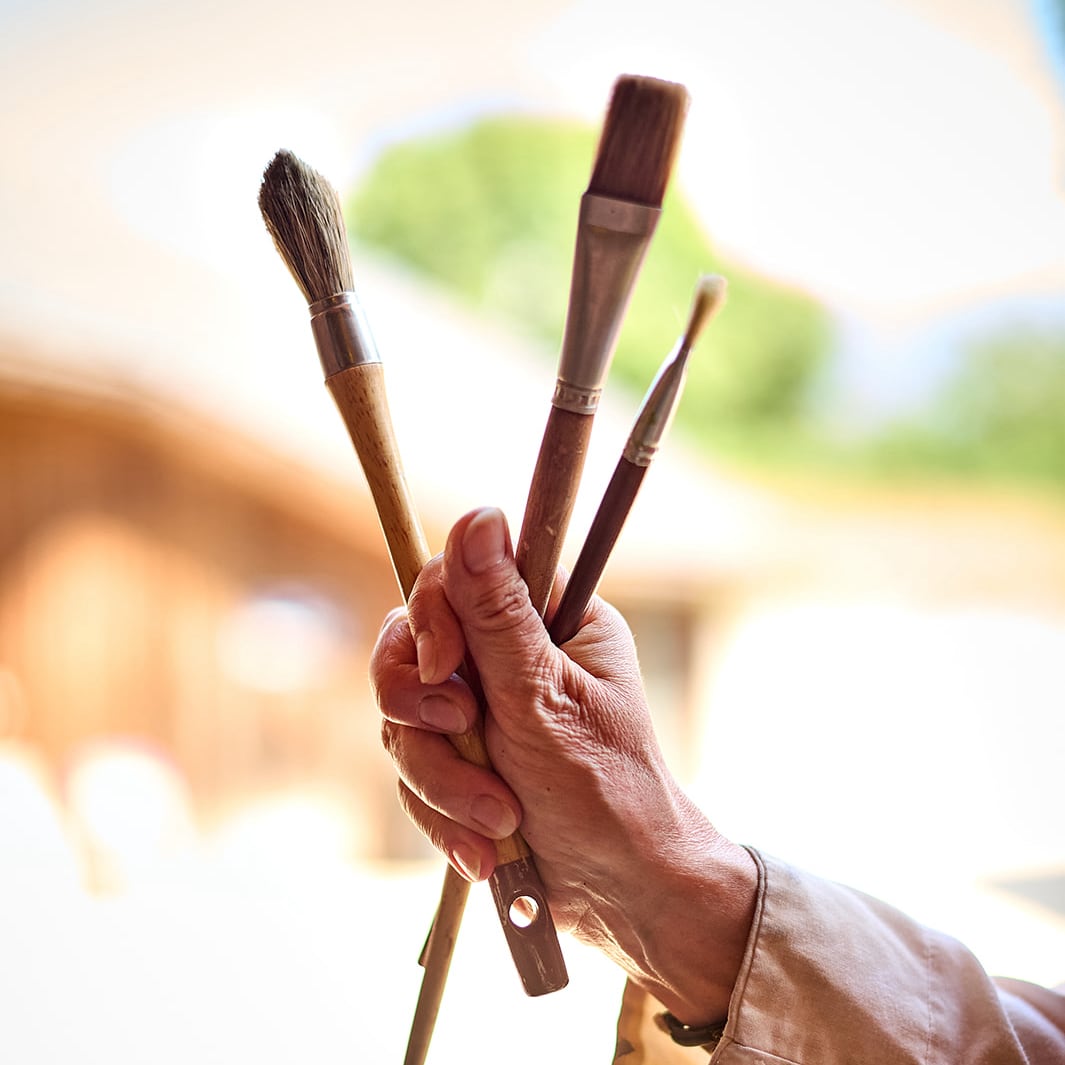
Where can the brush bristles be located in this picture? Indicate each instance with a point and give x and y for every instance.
(640, 139)
(303, 214)
(708, 300)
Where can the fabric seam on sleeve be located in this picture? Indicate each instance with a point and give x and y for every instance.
(735, 1003)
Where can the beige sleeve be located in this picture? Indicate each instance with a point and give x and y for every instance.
(832, 976)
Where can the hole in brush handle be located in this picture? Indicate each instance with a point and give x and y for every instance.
(521, 902)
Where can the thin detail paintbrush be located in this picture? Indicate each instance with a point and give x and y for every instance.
(303, 214)
(619, 211)
(652, 421)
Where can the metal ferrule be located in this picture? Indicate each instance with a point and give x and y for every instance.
(342, 333)
(578, 400)
(656, 412)
(612, 239)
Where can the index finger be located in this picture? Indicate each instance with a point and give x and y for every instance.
(448, 706)
(439, 643)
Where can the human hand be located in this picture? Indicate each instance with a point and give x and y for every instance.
(575, 763)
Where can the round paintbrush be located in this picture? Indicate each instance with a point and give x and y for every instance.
(302, 211)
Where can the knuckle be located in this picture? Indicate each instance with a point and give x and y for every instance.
(572, 715)
(555, 693)
(390, 634)
(430, 826)
(394, 617)
(377, 682)
(409, 802)
(503, 609)
(411, 807)
(391, 651)
(390, 733)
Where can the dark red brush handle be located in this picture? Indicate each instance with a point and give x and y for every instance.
(551, 497)
(609, 519)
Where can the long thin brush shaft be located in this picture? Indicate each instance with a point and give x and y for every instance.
(618, 215)
(552, 495)
(602, 536)
(302, 212)
(360, 396)
(652, 421)
(436, 962)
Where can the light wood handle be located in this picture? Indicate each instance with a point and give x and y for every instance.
(436, 960)
(359, 393)
(360, 396)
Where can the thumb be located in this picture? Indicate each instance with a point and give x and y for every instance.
(504, 634)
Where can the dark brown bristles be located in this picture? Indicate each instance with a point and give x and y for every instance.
(640, 139)
(303, 214)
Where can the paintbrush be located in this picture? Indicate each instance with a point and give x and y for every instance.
(303, 214)
(648, 430)
(637, 148)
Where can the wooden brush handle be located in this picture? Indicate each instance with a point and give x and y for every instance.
(436, 960)
(360, 397)
(551, 497)
(359, 393)
(603, 534)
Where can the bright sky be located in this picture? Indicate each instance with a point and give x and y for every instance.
(889, 155)
(902, 160)
(878, 152)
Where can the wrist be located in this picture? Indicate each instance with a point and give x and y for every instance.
(685, 913)
(703, 952)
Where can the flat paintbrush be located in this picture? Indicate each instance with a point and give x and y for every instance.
(649, 428)
(618, 214)
(302, 211)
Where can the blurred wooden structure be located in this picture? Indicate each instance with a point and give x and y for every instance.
(164, 582)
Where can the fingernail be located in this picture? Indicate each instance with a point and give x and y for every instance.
(467, 862)
(484, 543)
(425, 646)
(494, 816)
(440, 713)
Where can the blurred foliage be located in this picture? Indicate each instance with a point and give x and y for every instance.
(1000, 417)
(491, 211)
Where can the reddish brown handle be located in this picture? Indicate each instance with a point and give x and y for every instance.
(552, 494)
(603, 534)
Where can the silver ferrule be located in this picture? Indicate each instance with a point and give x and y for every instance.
(578, 400)
(656, 412)
(342, 333)
(612, 239)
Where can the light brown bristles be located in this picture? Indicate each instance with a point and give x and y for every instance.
(709, 298)
(302, 211)
(640, 139)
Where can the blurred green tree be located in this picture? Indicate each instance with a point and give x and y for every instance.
(490, 211)
(1001, 416)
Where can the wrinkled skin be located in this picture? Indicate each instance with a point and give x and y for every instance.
(621, 849)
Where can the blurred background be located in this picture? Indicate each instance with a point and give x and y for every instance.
(845, 573)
